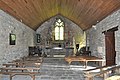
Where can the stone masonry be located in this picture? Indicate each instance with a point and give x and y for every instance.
(73, 32)
(71, 29)
(96, 39)
(24, 38)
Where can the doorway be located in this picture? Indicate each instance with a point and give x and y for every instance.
(110, 46)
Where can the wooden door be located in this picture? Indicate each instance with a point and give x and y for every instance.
(110, 48)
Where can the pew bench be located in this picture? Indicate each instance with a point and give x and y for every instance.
(32, 59)
(103, 71)
(84, 59)
(20, 71)
(25, 62)
(11, 65)
(115, 77)
(26, 69)
(22, 64)
(28, 60)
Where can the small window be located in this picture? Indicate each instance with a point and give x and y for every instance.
(59, 30)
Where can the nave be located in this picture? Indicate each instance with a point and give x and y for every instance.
(57, 69)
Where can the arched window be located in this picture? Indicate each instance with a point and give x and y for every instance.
(59, 29)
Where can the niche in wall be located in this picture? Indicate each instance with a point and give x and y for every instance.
(12, 39)
(38, 38)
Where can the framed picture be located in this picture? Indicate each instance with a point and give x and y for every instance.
(12, 38)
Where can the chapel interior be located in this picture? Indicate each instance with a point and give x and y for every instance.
(59, 39)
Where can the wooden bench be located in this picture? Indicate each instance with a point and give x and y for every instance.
(20, 71)
(32, 59)
(39, 59)
(11, 65)
(25, 62)
(84, 59)
(115, 77)
(73, 58)
(28, 69)
(104, 71)
(19, 64)
(24, 66)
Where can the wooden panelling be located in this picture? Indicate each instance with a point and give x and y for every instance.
(84, 13)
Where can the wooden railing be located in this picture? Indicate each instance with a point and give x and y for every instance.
(104, 72)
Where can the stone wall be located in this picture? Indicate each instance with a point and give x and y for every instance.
(96, 39)
(71, 30)
(24, 38)
(73, 33)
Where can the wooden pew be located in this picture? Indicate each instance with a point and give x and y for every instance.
(103, 71)
(25, 62)
(28, 69)
(115, 77)
(12, 74)
(19, 64)
(40, 59)
(32, 59)
(11, 65)
(20, 71)
(24, 66)
(84, 59)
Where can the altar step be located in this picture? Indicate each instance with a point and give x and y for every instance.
(61, 56)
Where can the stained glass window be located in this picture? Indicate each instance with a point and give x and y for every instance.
(59, 30)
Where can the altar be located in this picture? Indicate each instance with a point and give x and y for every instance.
(59, 51)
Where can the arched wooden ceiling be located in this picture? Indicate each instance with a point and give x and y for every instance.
(84, 13)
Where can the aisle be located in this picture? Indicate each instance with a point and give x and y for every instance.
(58, 69)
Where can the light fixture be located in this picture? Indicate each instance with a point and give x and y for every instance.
(94, 26)
(97, 21)
(20, 20)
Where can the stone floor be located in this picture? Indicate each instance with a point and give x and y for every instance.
(56, 69)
